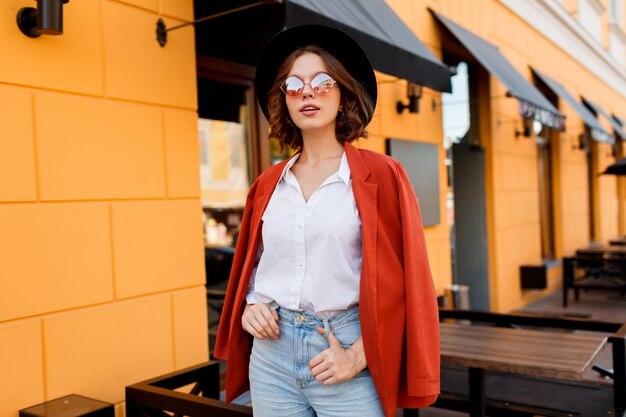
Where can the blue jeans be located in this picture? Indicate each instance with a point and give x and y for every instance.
(281, 383)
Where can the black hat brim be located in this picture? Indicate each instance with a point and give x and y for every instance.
(334, 41)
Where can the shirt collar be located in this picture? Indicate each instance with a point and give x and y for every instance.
(344, 169)
(288, 166)
(343, 173)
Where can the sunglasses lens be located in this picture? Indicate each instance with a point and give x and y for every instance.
(292, 86)
(322, 83)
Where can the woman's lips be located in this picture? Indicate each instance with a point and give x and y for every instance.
(309, 109)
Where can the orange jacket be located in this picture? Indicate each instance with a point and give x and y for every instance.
(397, 305)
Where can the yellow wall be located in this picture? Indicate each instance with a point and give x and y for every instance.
(101, 262)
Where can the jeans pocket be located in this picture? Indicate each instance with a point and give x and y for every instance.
(348, 334)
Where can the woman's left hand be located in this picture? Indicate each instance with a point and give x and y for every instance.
(337, 364)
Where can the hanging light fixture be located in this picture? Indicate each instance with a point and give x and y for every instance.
(413, 93)
(46, 19)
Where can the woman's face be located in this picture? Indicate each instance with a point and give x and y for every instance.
(309, 110)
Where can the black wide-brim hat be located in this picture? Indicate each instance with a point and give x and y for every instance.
(334, 41)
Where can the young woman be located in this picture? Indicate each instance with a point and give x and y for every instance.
(330, 308)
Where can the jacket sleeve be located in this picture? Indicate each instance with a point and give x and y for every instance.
(422, 316)
(223, 331)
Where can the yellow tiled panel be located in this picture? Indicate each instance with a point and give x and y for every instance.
(425, 26)
(432, 251)
(372, 143)
(506, 172)
(404, 9)
(529, 173)
(152, 5)
(191, 337)
(373, 128)
(17, 157)
(575, 233)
(530, 244)
(71, 62)
(95, 149)
(509, 291)
(21, 378)
(392, 124)
(182, 9)
(97, 351)
(430, 121)
(182, 153)
(508, 246)
(445, 264)
(138, 68)
(578, 201)
(532, 214)
(158, 246)
(515, 208)
(503, 215)
(53, 258)
(576, 175)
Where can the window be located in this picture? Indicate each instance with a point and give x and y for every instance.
(617, 38)
(544, 164)
(616, 16)
(589, 13)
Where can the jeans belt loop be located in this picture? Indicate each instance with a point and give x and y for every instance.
(326, 328)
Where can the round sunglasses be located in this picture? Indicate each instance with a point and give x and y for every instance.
(321, 84)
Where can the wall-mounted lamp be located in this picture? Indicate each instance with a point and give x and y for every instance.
(531, 127)
(580, 143)
(413, 93)
(46, 19)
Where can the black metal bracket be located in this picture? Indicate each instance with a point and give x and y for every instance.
(27, 22)
(27, 18)
(152, 398)
(161, 29)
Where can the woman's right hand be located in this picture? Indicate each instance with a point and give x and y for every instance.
(260, 321)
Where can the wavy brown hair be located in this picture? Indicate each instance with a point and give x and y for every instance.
(357, 105)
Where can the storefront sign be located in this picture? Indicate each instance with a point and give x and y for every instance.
(530, 111)
(601, 136)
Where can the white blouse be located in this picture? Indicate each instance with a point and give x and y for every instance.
(310, 254)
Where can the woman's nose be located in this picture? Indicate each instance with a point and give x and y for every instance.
(307, 91)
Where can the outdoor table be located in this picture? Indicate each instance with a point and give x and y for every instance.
(529, 352)
(618, 242)
(602, 250)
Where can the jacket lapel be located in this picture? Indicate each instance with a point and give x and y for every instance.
(366, 195)
(266, 186)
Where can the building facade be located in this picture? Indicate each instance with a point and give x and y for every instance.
(111, 145)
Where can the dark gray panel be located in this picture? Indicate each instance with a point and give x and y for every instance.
(421, 162)
(470, 223)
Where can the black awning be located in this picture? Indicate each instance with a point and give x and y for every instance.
(618, 168)
(388, 42)
(599, 110)
(391, 46)
(532, 104)
(598, 133)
